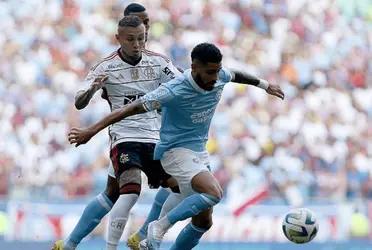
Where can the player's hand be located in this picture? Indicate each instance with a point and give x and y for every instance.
(79, 136)
(99, 82)
(275, 90)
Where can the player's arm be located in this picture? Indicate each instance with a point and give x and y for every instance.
(151, 101)
(83, 97)
(246, 78)
(83, 135)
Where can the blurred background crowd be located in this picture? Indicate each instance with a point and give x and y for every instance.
(314, 145)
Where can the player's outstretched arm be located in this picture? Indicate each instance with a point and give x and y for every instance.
(245, 78)
(83, 97)
(80, 136)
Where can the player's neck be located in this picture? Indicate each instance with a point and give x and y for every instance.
(128, 59)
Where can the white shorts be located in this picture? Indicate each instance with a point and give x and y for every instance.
(183, 164)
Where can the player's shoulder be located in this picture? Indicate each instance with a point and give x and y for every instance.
(156, 56)
(225, 75)
(177, 85)
(105, 60)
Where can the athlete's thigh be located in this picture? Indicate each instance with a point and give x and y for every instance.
(183, 164)
(126, 160)
(152, 168)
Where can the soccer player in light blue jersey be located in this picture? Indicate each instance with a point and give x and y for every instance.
(188, 103)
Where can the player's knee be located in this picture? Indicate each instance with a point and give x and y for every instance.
(203, 220)
(130, 182)
(113, 195)
(112, 189)
(215, 191)
(205, 182)
(207, 223)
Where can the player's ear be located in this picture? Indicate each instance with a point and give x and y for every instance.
(117, 37)
(194, 66)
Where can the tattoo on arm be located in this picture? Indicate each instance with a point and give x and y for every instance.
(83, 98)
(245, 78)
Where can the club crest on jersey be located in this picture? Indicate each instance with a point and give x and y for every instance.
(149, 73)
(134, 73)
(123, 158)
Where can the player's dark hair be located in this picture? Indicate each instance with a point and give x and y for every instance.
(130, 21)
(206, 52)
(133, 8)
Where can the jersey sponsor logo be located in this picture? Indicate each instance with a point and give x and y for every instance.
(168, 72)
(147, 62)
(132, 98)
(203, 116)
(115, 66)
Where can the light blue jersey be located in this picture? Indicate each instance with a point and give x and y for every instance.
(187, 111)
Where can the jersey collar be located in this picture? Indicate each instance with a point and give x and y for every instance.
(123, 59)
(193, 83)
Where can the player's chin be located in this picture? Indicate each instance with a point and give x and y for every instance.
(209, 87)
(136, 53)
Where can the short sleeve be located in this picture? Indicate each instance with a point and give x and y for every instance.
(93, 73)
(225, 75)
(168, 71)
(158, 98)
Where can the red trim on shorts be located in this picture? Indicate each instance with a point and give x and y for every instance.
(131, 188)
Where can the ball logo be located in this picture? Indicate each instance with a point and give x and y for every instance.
(300, 225)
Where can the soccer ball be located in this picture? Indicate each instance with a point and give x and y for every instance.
(300, 225)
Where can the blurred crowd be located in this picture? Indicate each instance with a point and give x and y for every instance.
(314, 145)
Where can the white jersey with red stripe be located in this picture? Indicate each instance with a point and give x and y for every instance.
(127, 83)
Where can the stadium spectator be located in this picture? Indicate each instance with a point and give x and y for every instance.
(316, 145)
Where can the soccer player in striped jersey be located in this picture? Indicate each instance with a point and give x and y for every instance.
(124, 76)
